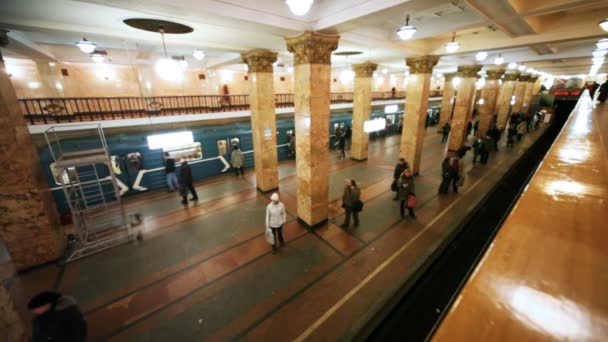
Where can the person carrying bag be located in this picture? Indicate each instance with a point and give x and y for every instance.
(407, 193)
(275, 218)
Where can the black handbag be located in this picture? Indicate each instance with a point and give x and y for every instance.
(394, 187)
(357, 205)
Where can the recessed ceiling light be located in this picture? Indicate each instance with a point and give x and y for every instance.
(299, 7)
(480, 56)
(86, 46)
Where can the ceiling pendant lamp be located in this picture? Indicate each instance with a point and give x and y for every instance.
(86, 46)
(299, 7)
(604, 24)
(602, 44)
(406, 32)
(198, 54)
(167, 68)
(521, 67)
(512, 65)
(480, 56)
(98, 56)
(452, 46)
(499, 60)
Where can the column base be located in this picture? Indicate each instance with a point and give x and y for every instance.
(359, 160)
(308, 226)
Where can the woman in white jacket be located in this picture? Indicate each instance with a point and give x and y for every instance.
(275, 218)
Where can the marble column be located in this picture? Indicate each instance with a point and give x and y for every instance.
(28, 222)
(418, 88)
(537, 85)
(525, 107)
(52, 82)
(520, 91)
(489, 95)
(263, 117)
(362, 108)
(463, 106)
(446, 100)
(504, 100)
(312, 75)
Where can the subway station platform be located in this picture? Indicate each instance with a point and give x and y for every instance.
(205, 272)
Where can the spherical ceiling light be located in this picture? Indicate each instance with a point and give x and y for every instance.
(406, 32)
(604, 24)
(299, 7)
(512, 65)
(499, 60)
(198, 54)
(480, 56)
(86, 46)
(599, 53)
(602, 44)
(521, 67)
(452, 46)
(168, 69)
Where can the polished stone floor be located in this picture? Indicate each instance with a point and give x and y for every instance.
(205, 272)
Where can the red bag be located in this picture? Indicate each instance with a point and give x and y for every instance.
(411, 201)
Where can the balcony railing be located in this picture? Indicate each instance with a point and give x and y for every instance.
(62, 110)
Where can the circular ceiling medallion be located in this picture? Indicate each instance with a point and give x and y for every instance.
(347, 53)
(155, 25)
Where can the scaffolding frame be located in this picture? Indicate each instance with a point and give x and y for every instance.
(94, 199)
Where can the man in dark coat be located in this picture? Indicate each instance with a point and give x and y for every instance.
(399, 168)
(445, 131)
(185, 183)
(603, 92)
(56, 318)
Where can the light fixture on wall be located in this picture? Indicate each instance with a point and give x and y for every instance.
(512, 65)
(98, 56)
(602, 43)
(86, 46)
(480, 56)
(499, 60)
(406, 32)
(299, 7)
(452, 46)
(167, 68)
(604, 24)
(198, 54)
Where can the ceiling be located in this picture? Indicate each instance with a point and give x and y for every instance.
(555, 36)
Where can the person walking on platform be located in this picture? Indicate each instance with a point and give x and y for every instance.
(446, 176)
(348, 135)
(511, 133)
(495, 133)
(469, 129)
(521, 129)
(351, 200)
(170, 172)
(236, 158)
(485, 150)
(185, 183)
(478, 146)
(342, 146)
(275, 218)
(603, 92)
(407, 193)
(456, 172)
(399, 168)
(56, 318)
(475, 127)
(445, 131)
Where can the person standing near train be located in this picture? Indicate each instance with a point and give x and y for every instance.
(275, 218)
(186, 183)
(407, 193)
(351, 202)
(170, 172)
(236, 158)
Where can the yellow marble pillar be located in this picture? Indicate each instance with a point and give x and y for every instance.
(312, 74)
(463, 106)
(537, 85)
(28, 225)
(362, 108)
(263, 117)
(489, 96)
(525, 107)
(446, 100)
(52, 81)
(504, 100)
(519, 93)
(416, 103)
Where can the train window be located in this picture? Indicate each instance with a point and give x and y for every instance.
(189, 152)
(63, 178)
(221, 147)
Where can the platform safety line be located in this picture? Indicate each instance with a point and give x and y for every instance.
(379, 269)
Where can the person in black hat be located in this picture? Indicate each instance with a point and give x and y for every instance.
(56, 318)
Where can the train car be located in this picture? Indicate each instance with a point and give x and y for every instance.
(138, 157)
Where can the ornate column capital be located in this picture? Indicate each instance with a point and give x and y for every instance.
(533, 79)
(259, 60)
(422, 65)
(312, 47)
(511, 76)
(524, 78)
(364, 69)
(450, 76)
(469, 70)
(494, 74)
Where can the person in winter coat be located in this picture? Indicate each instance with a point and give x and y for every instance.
(456, 172)
(342, 147)
(603, 92)
(185, 183)
(56, 318)
(478, 146)
(475, 127)
(446, 176)
(485, 149)
(348, 135)
(275, 218)
(170, 172)
(236, 158)
(445, 131)
(521, 129)
(399, 168)
(350, 195)
(469, 128)
(406, 188)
